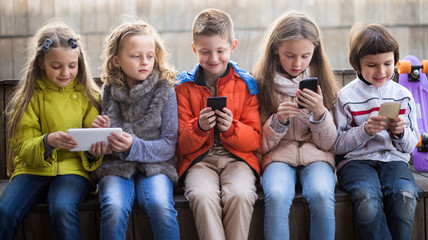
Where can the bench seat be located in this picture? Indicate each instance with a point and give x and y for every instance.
(36, 224)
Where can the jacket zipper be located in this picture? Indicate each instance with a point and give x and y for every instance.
(57, 163)
(299, 162)
(61, 91)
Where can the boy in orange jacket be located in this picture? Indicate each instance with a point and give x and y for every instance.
(217, 162)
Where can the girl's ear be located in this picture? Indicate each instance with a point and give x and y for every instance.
(115, 61)
(40, 62)
(275, 51)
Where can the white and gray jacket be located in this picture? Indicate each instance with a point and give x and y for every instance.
(355, 103)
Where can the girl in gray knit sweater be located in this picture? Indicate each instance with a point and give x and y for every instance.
(138, 97)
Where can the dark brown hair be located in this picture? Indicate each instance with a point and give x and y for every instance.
(370, 40)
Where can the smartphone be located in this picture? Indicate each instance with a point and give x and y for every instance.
(390, 109)
(216, 103)
(309, 83)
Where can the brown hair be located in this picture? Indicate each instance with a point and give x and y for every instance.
(370, 40)
(111, 73)
(213, 21)
(290, 26)
(59, 34)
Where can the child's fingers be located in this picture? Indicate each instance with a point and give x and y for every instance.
(106, 120)
(205, 110)
(101, 122)
(120, 143)
(226, 114)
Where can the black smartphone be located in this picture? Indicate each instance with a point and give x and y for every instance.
(216, 103)
(309, 83)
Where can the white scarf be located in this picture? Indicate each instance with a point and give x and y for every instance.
(289, 86)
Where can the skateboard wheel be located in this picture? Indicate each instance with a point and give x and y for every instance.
(420, 141)
(404, 66)
(424, 64)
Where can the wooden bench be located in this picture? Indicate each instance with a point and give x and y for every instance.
(36, 224)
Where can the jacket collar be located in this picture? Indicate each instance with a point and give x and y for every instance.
(191, 76)
(122, 93)
(45, 83)
(360, 76)
(199, 76)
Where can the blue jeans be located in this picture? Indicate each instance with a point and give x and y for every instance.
(384, 195)
(318, 182)
(64, 196)
(154, 195)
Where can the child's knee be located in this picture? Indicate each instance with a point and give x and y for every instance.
(278, 195)
(367, 200)
(405, 195)
(202, 195)
(239, 194)
(406, 188)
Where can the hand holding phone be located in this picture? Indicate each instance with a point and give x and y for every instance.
(309, 83)
(390, 109)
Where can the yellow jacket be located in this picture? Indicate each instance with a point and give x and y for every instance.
(53, 109)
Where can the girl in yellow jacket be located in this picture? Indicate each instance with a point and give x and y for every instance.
(55, 93)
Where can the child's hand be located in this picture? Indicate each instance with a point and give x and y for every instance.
(287, 110)
(101, 122)
(120, 143)
(61, 140)
(396, 125)
(375, 124)
(312, 101)
(206, 119)
(224, 119)
(99, 149)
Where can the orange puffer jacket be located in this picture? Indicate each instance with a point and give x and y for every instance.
(244, 136)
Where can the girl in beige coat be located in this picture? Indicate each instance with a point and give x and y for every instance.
(296, 142)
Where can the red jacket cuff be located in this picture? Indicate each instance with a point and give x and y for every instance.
(229, 132)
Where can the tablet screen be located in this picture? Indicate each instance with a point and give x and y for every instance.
(85, 137)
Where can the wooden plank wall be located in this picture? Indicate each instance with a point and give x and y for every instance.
(19, 19)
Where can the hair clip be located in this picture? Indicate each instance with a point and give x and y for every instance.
(47, 44)
(72, 43)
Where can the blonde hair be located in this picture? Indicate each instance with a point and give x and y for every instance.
(111, 73)
(59, 33)
(290, 26)
(211, 22)
(370, 40)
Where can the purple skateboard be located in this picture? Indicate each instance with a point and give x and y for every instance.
(413, 76)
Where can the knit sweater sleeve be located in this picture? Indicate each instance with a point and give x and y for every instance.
(163, 148)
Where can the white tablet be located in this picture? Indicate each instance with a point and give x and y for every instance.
(85, 137)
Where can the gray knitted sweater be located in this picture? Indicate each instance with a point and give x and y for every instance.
(148, 111)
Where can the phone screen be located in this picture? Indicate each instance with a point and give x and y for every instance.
(309, 83)
(216, 103)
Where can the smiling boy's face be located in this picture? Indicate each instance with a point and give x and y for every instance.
(378, 68)
(213, 54)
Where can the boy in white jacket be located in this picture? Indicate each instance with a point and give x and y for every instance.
(374, 153)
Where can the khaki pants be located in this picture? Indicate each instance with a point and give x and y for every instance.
(221, 193)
